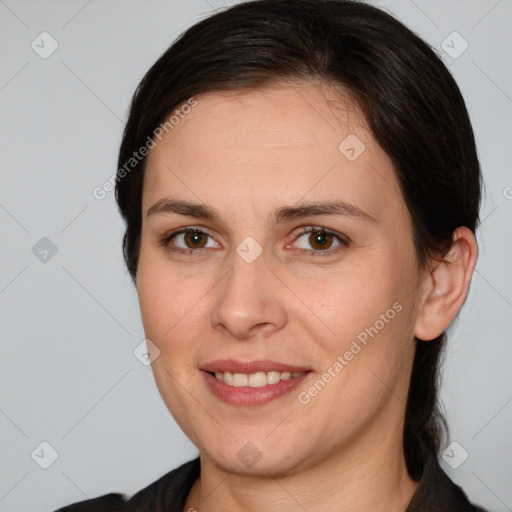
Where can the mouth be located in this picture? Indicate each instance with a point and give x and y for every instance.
(252, 383)
(254, 380)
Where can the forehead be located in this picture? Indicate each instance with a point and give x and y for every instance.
(283, 143)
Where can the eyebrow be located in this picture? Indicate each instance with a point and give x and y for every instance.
(287, 213)
(188, 208)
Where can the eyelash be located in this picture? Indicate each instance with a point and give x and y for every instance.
(343, 240)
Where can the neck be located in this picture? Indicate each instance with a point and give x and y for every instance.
(374, 479)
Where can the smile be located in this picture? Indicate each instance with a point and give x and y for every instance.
(251, 383)
(255, 380)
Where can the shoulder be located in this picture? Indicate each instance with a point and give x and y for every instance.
(437, 493)
(171, 490)
(110, 502)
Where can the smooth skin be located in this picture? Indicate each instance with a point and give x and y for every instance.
(246, 156)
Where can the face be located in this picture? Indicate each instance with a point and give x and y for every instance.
(277, 280)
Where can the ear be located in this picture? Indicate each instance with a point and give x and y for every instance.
(446, 286)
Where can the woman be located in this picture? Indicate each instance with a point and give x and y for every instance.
(301, 190)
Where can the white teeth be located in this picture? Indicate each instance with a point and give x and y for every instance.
(240, 380)
(254, 380)
(273, 377)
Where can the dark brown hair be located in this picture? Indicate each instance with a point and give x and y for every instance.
(409, 99)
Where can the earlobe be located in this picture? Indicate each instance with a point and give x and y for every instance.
(447, 286)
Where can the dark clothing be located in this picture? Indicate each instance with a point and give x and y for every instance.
(435, 493)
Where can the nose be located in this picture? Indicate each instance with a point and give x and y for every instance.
(249, 301)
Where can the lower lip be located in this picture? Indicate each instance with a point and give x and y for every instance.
(251, 396)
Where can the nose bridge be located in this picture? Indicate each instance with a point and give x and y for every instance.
(247, 298)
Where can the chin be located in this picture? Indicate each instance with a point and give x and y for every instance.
(258, 457)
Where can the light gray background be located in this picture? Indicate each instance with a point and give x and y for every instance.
(69, 325)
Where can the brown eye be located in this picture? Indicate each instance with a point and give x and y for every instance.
(189, 240)
(320, 240)
(195, 239)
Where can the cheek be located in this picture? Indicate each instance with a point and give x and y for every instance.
(370, 324)
(163, 292)
(170, 314)
(165, 300)
(350, 302)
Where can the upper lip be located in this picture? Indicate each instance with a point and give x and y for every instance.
(260, 365)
